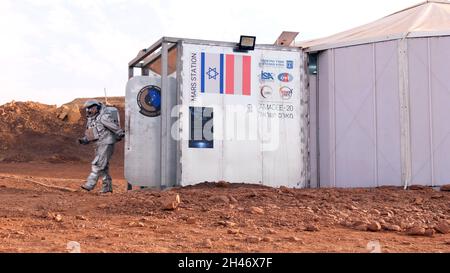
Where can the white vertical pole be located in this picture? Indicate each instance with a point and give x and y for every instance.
(165, 117)
(405, 123)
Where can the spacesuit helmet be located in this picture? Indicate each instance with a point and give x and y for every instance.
(92, 107)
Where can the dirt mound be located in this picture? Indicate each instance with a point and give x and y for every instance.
(33, 131)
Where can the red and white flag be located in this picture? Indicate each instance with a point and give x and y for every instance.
(226, 74)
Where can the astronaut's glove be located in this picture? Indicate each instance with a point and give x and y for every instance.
(120, 135)
(83, 141)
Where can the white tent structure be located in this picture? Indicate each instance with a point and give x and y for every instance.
(381, 101)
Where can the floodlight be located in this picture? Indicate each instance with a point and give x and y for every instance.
(247, 42)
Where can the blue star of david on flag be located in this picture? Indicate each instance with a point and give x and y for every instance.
(212, 73)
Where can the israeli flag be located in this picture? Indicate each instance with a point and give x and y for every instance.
(212, 69)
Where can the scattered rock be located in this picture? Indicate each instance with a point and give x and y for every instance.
(312, 228)
(253, 239)
(437, 196)
(361, 227)
(418, 201)
(253, 193)
(416, 231)
(81, 217)
(233, 200)
(102, 206)
(284, 189)
(191, 220)
(73, 247)
(136, 224)
(256, 210)
(233, 231)
(227, 224)
(429, 232)
(374, 227)
(443, 227)
(375, 211)
(220, 199)
(171, 202)
(390, 227)
(271, 231)
(293, 239)
(267, 239)
(207, 243)
(445, 188)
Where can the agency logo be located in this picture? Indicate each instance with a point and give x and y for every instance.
(266, 91)
(290, 64)
(285, 77)
(286, 92)
(267, 76)
(149, 101)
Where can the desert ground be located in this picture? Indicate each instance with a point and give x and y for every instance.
(43, 208)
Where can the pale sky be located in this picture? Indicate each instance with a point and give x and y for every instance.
(53, 51)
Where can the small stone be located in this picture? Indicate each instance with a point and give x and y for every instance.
(253, 193)
(220, 199)
(271, 231)
(171, 203)
(374, 227)
(253, 239)
(293, 239)
(390, 227)
(416, 231)
(140, 224)
(361, 227)
(445, 187)
(233, 231)
(312, 228)
(443, 227)
(437, 196)
(102, 206)
(58, 218)
(256, 210)
(429, 232)
(267, 239)
(418, 201)
(227, 224)
(191, 220)
(375, 211)
(233, 200)
(207, 243)
(81, 217)
(285, 189)
(73, 247)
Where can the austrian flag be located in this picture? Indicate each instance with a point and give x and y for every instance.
(226, 74)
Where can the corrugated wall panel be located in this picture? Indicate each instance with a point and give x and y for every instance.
(355, 122)
(420, 112)
(388, 114)
(324, 67)
(440, 97)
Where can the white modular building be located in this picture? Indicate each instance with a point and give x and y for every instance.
(209, 111)
(380, 101)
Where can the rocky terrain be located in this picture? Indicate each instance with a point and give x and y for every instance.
(43, 209)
